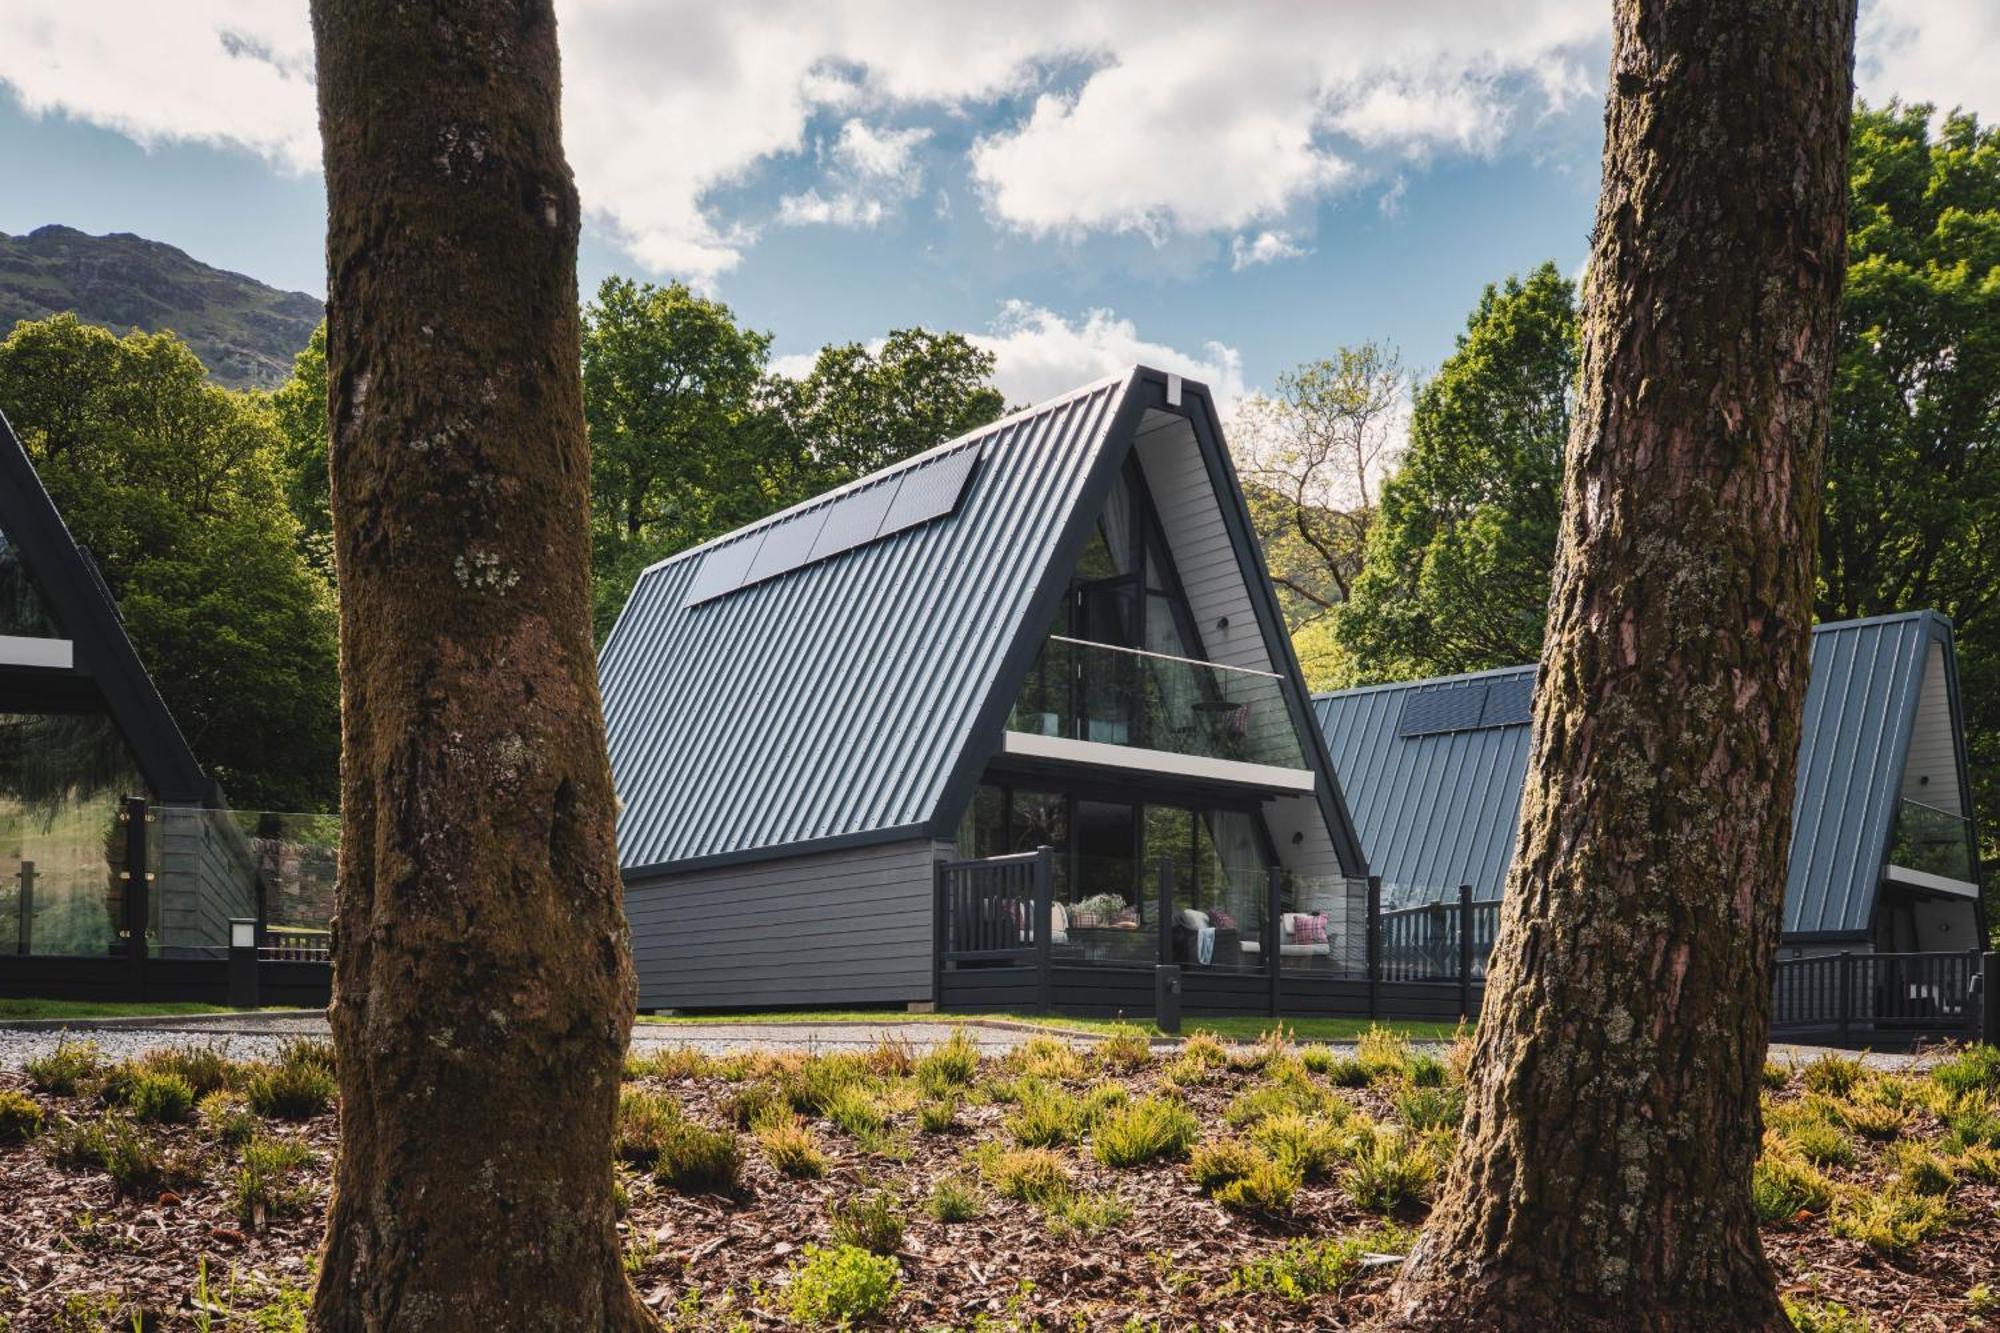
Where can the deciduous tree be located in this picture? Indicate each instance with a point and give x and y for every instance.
(482, 988)
(1603, 1175)
(856, 411)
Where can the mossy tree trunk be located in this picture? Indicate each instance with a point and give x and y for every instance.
(1603, 1179)
(482, 983)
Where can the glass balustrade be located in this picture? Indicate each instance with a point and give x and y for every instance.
(1934, 841)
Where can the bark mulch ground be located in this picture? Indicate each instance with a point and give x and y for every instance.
(78, 1252)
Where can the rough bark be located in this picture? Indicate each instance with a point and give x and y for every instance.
(482, 984)
(1603, 1179)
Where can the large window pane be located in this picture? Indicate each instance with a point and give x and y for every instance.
(62, 778)
(23, 610)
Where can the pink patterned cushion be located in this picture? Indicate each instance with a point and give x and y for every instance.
(1309, 929)
(1221, 920)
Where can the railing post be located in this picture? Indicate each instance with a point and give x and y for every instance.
(1271, 938)
(1846, 975)
(137, 901)
(1989, 999)
(1374, 942)
(1166, 910)
(1045, 888)
(25, 942)
(1465, 952)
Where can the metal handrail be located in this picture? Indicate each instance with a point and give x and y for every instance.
(1163, 657)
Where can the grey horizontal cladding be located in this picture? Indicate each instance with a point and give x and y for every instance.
(831, 703)
(850, 926)
(1438, 810)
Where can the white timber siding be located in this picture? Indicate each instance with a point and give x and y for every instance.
(1930, 774)
(1191, 518)
(846, 927)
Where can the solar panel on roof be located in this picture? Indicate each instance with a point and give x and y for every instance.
(1453, 708)
(929, 490)
(723, 568)
(855, 518)
(1510, 702)
(787, 545)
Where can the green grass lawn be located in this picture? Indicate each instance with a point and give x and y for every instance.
(10, 1009)
(1233, 1029)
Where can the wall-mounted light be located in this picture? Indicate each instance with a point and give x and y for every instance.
(1298, 838)
(1223, 623)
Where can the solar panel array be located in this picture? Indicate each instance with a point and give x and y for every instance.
(1471, 705)
(915, 495)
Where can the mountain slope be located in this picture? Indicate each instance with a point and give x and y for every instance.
(245, 332)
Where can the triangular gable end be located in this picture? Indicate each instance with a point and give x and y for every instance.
(1173, 427)
(99, 659)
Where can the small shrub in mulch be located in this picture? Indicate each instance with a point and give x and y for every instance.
(1892, 1221)
(954, 1199)
(135, 1160)
(262, 1187)
(1783, 1186)
(1307, 1269)
(1307, 1144)
(1048, 1058)
(950, 1065)
(1149, 1129)
(1124, 1049)
(290, 1090)
(696, 1160)
(1816, 1316)
(1424, 1107)
(66, 1071)
(1833, 1075)
(226, 1117)
(1974, 1069)
(1044, 1116)
(841, 1286)
(160, 1098)
(790, 1145)
(872, 1221)
(20, 1116)
(644, 1118)
(938, 1115)
(1389, 1170)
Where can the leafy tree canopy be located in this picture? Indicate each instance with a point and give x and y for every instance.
(175, 485)
(858, 411)
(1457, 570)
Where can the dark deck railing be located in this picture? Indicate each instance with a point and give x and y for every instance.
(1844, 992)
(1446, 941)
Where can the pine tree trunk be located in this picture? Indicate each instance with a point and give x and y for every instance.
(482, 986)
(1603, 1180)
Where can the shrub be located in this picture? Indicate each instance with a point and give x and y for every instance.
(1204, 1048)
(791, 1145)
(954, 1199)
(1387, 1171)
(891, 1057)
(1032, 1175)
(1820, 1143)
(1308, 1145)
(1978, 1162)
(1286, 1097)
(226, 1117)
(205, 1068)
(1921, 1171)
(290, 1090)
(1427, 1071)
(114, 1145)
(307, 1053)
(259, 1190)
(1045, 1116)
(1970, 1123)
(1833, 1075)
(1383, 1055)
(1893, 1221)
(1267, 1187)
(813, 1084)
(951, 1064)
(1872, 1119)
(841, 1287)
(751, 1103)
(1974, 1069)
(695, 1160)
(1086, 1214)
(1811, 1316)
(1347, 1072)
(67, 1070)
(1214, 1165)
(858, 1111)
(1306, 1269)
(1782, 1187)
(872, 1222)
(1046, 1058)
(161, 1099)
(939, 1115)
(1124, 1048)
(1776, 1076)
(1318, 1059)
(1149, 1128)
(1100, 1098)
(1425, 1108)
(20, 1116)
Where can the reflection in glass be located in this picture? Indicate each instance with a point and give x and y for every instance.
(23, 609)
(62, 778)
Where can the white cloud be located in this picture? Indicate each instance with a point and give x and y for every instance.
(1267, 248)
(1212, 120)
(1931, 51)
(873, 171)
(1039, 353)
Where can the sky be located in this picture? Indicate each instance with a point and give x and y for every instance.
(1222, 190)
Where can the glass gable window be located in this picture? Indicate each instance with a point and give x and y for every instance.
(62, 778)
(24, 612)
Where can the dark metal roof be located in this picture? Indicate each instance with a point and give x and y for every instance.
(855, 696)
(1439, 809)
(107, 671)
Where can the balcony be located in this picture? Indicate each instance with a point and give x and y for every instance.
(1933, 842)
(1126, 697)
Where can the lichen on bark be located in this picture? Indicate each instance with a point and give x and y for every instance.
(1603, 1177)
